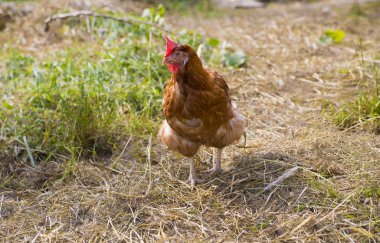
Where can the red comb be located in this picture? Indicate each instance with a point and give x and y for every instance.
(170, 45)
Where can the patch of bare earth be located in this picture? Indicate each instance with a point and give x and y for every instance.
(299, 179)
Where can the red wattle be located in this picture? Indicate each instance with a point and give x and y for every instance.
(173, 67)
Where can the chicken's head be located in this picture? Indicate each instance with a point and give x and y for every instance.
(174, 58)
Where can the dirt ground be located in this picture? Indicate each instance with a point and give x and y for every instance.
(328, 194)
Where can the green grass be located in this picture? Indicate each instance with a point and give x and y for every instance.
(363, 110)
(184, 5)
(85, 99)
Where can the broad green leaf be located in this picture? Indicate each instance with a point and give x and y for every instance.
(213, 42)
(333, 36)
(7, 105)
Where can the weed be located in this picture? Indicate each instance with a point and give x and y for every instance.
(373, 191)
(333, 36)
(364, 110)
(300, 207)
(260, 227)
(357, 11)
(332, 192)
(180, 5)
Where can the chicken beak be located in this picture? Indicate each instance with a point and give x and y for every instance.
(165, 61)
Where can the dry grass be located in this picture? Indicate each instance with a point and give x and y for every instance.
(137, 194)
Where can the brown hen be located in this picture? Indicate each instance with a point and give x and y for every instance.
(197, 108)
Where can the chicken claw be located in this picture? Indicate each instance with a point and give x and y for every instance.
(214, 171)
(193, 181)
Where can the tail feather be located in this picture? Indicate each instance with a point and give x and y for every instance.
(228, 132)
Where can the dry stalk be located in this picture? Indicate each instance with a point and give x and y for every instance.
(284, 176)
(339, 205)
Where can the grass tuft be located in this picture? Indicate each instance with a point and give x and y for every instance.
(364, 110)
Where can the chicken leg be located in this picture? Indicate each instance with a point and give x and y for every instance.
(193, 179)
(217, 161)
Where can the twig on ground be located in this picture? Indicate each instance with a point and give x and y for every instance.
(149, 164)
(121, 154)
(287, 174)
(302, 223)
(299, 196)
(371, 61)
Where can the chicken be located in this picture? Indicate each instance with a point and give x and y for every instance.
(197, 108)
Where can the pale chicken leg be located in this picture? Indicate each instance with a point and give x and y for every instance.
(217, 168)
(193, 178)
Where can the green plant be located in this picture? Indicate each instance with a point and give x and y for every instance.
(357, 11)
(333, 36)
(178, 5)
(364, 110)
